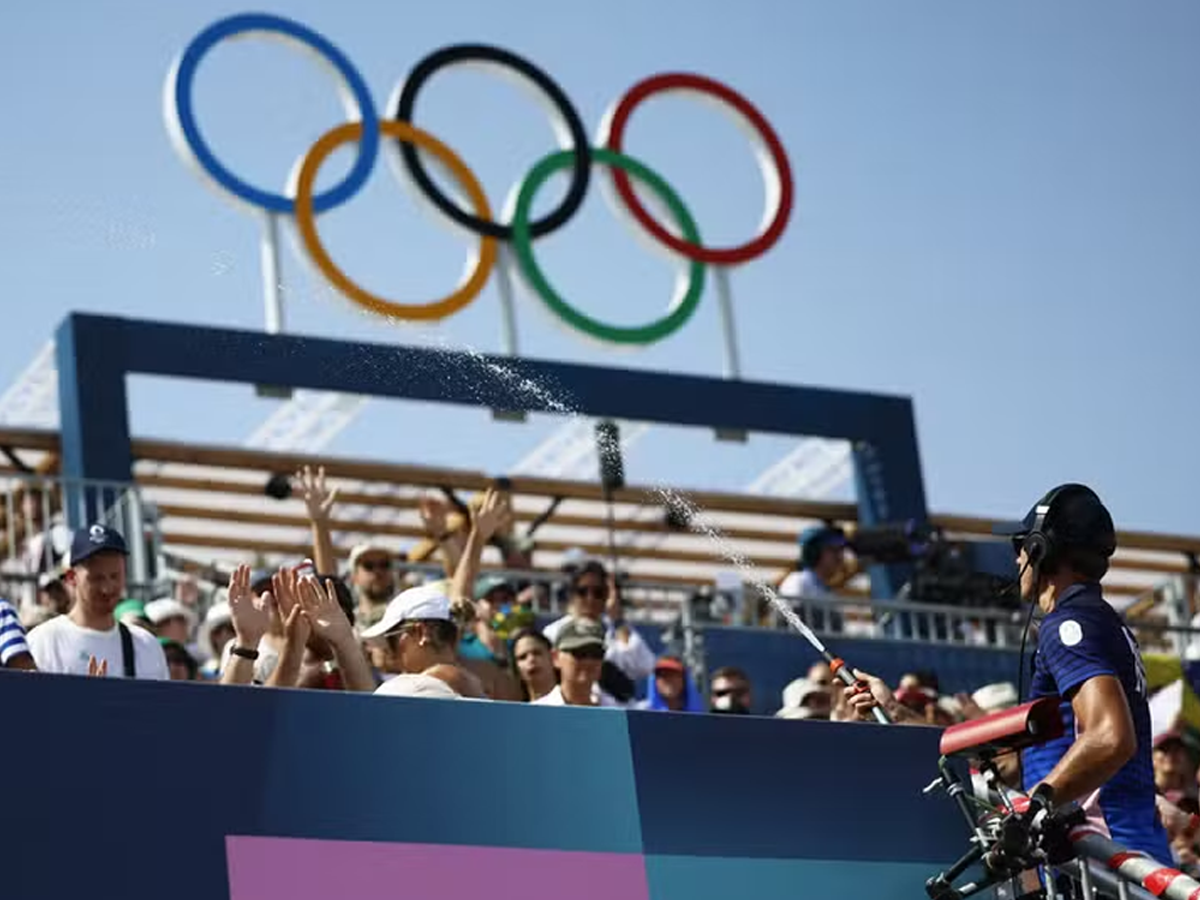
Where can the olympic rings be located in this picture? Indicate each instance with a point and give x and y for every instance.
(307, 176)
(575, 151)
(778, 206)
(576, 137)
(181, 118)
(687, 295)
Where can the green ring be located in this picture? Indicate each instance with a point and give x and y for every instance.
(522, 244)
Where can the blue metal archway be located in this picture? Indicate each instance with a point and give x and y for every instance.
(96, 353)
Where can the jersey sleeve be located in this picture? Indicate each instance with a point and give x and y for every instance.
(12, 635)
(1076, 647)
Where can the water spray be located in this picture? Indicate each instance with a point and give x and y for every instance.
(836, 665)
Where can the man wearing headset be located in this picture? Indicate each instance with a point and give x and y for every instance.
(1086, 656)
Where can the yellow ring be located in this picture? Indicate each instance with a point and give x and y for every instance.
(306, 224)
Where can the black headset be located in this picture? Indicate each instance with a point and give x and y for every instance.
(1041, 544)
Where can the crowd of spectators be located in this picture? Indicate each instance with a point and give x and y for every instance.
(468, 636)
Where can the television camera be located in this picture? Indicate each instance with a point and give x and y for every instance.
(973, 573)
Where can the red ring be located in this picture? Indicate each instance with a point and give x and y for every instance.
(672, 81)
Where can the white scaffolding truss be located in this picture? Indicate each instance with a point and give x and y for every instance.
(570, 452)
(816, 468)
(32, 400)
(307, 422)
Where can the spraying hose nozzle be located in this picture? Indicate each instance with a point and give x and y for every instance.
(841, 671)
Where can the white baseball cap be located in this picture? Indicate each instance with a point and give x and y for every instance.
(369, 548)
(158, 611)
(800, 690)
(429, 601)
(218, 614)
(993, 697)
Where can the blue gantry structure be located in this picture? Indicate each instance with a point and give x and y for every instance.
(97, 353)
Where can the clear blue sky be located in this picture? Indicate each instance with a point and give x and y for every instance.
(998, 213)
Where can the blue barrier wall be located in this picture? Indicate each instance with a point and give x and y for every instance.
(773, 658)
(147, 790)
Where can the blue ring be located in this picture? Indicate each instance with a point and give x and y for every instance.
(239, 24)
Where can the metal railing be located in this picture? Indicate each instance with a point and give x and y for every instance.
(1101, 868)
(686, 608)
(37, 513)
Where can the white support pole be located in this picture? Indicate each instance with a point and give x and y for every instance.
(508, 312)
(733, 366)
(272, 283)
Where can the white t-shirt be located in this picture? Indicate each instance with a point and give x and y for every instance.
(264, 666)
(555, 698)
(63, 647)
(417, 685)
(804, 585)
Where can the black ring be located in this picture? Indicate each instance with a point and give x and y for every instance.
(580, 174)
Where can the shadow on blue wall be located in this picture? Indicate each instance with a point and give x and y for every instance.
(156, 787)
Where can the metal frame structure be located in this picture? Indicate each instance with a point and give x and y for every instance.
(96, 353)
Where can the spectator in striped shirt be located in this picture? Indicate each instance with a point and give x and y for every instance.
(14, 651)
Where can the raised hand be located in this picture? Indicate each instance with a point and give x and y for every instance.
(433, 514)
(251, 619)
(494, 514)
(324, 613)
(318, 498)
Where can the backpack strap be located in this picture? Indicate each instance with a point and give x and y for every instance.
(127, 650)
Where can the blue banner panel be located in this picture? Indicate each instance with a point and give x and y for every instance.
(148, 780)
(200, 792)
(789, 789)
(716, 878)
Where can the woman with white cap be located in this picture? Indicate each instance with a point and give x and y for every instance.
(416, 640)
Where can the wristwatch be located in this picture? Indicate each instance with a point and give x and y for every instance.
(245, 653)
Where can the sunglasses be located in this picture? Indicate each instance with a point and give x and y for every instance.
(730, 692)
(379, 565)
(592, 652)
(1018, 543)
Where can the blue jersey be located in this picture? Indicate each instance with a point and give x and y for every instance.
(1085, 638)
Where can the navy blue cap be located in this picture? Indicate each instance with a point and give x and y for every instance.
(823, 535)
(1080, 519)
(87, 542)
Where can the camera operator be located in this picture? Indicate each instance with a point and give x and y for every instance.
(821, 560)
(1086, 656)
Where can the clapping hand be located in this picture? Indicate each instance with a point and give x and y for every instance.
(251, 617)
(296, 625)
(324, 612)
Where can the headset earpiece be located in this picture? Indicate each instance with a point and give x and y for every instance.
(1037, 548)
